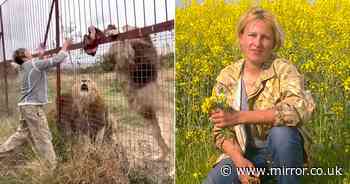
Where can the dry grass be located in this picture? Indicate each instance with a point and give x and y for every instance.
(7, 126)
(98, 165)
(131, 161)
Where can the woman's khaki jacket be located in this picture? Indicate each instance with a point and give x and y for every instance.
(280, 87)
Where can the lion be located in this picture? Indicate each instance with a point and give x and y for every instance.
(136, 65)
(85, 116)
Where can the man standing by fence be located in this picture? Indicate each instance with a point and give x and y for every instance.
(33, 126)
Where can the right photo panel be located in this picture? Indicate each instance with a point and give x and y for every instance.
(262, 91)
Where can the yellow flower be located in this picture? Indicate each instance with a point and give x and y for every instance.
(196, 175)
(346, 84)
(338, 109)
(213, 102)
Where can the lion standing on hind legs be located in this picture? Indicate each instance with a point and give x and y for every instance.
(136, 65)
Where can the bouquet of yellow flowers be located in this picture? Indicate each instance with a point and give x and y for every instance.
(217, 102)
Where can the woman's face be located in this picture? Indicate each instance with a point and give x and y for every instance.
(28, 55)
(257, 41)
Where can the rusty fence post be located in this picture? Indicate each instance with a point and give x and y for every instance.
(58, 69)
(5, 63)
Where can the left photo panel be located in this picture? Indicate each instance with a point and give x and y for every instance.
(87, 91)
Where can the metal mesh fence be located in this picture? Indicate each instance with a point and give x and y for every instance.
(124, 91)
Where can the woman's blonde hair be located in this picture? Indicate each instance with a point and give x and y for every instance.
(261, 14)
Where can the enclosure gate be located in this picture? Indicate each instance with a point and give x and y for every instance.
(23, 23)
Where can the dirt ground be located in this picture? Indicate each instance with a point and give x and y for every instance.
(141, 147)
(142, 152)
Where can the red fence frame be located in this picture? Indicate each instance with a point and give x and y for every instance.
(5, 63)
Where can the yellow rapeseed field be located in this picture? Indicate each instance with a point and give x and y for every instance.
(317, 41)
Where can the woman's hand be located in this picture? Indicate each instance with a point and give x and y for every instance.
(224, 119)
(241, 162)
(41, 51)
(66, 44)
